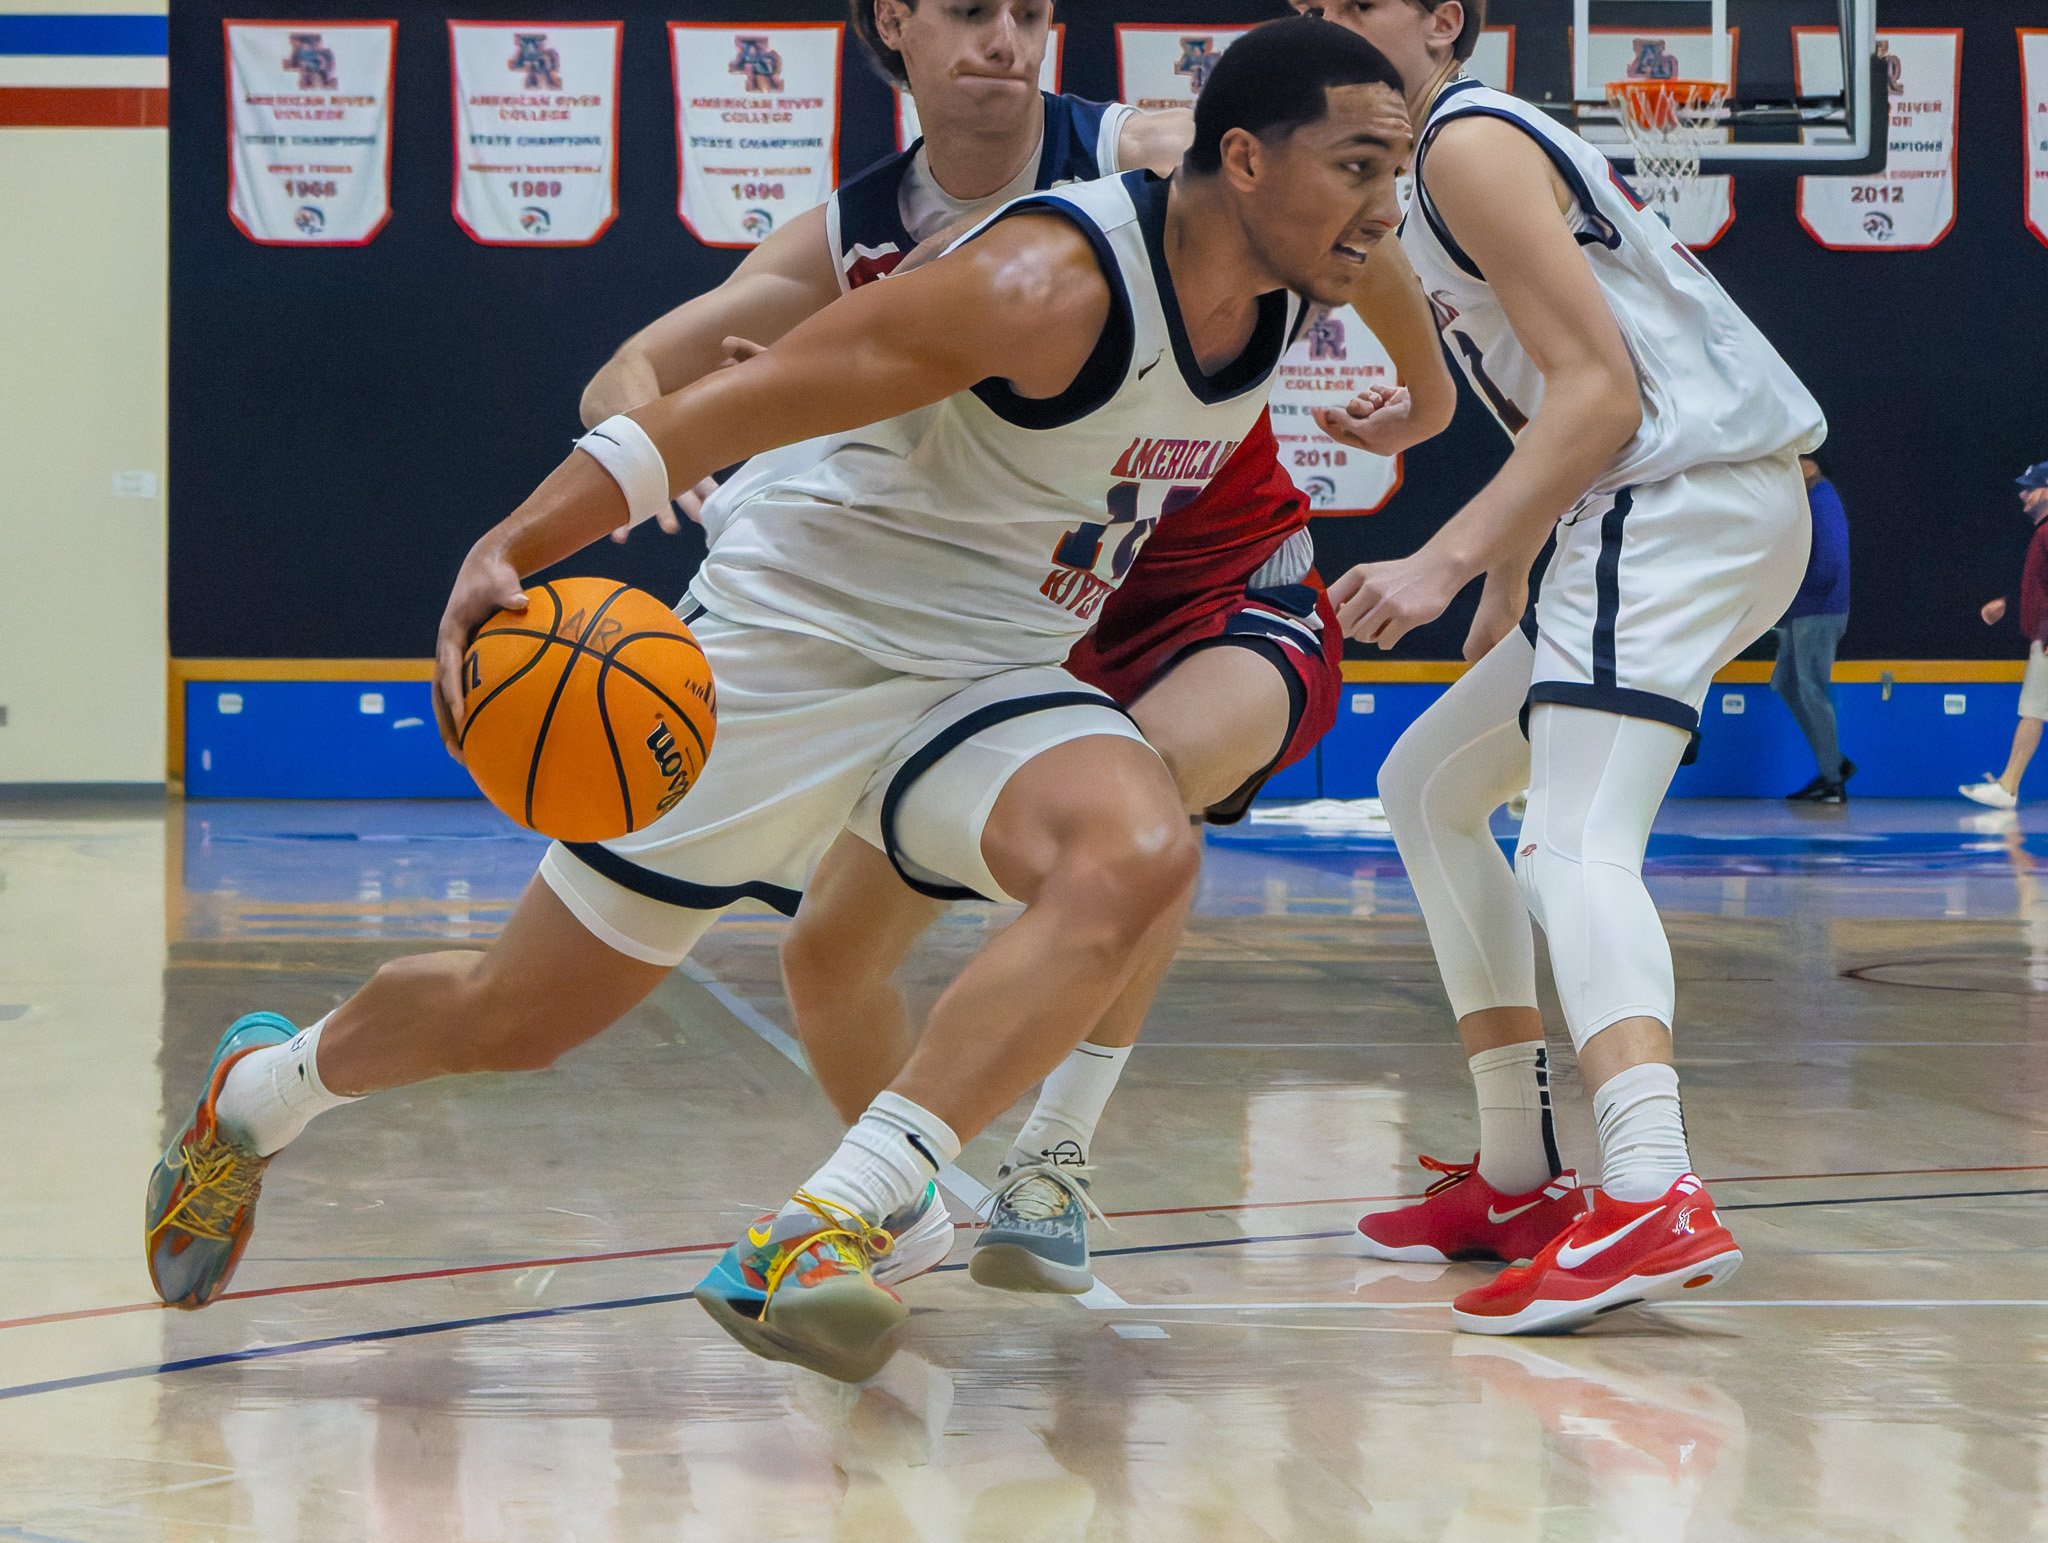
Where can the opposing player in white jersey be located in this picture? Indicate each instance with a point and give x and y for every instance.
(885, 625)
(1657, 432)
(1218, 639)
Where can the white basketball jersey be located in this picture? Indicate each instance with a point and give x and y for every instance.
(1713, 388)
(984, 532)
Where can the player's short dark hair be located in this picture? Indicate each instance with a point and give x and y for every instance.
(1277, 78)
(884, 58)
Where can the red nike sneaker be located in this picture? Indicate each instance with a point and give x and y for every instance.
(1619, 1253)
(1464, 1217)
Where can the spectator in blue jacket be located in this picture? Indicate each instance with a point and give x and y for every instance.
(1809, 634)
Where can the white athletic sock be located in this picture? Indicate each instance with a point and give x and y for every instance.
(1517, 1146)
(271, 1093)
(883, 1162)
(1642, 1132)
(1062, 1123)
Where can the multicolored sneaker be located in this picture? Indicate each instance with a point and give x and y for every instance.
(1464, 1217)
(802, 1289)
(1037, 1233)
(922, 1233)
(201, 1205)
(1617, 1254)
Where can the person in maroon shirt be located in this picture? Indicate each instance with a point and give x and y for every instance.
(2003, 791)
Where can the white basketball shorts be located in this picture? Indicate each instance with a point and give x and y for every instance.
(814, 738)
(1654, 588)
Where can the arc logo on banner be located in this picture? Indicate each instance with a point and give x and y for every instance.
(1336, 357)
(2034, 102)
(907, 129)
(1707, 208)
(309, 130)
(536, 130)
(757, 125)
(1913, 205)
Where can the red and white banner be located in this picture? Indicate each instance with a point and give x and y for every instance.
(1164, 66)
(1913, 204)
(2034, 99)
(757, 124)
(1493, 60)
(1707, 208)
(1335, 358)
(536, 130)
(309, 130)
(907, 129)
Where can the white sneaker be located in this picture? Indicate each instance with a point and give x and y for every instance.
(1991, 793)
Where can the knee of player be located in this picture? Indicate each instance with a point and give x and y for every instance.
(1129, 876)
(817, 963)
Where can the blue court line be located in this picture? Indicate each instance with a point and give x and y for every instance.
(450, 1325)
(33, 1537)
(99, 35)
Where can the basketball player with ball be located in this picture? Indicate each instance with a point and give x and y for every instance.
(886, 625)
(1657, 433)
(1218, 641)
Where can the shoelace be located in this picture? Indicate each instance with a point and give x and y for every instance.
(869, 1241)
(1038, 1192)
(1453, 1174)
(223, 1182)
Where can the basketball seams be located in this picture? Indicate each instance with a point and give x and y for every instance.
(657, 693)
(611, 739)
(548, 638)
(540, 739)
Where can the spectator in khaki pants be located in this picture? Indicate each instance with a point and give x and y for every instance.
(1809, 634)
(2003, 791)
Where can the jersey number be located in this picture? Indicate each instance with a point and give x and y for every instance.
(1127, 526)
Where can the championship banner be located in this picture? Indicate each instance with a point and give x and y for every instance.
(1913, 204)
(1707, 208)
(1493, 60)
(536, 130)
(1334, 359)
(1163, 66)
(757, 125)
(2034, 99)
(907, 130)
(309, 130)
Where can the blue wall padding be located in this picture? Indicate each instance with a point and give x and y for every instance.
(313, 739)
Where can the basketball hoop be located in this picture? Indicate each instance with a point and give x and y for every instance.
(1669, 123)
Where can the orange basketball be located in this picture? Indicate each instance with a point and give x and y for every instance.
(588, 714)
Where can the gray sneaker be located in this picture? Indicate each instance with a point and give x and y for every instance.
(1037, 1234)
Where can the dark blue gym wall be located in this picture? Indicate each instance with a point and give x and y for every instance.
(344, 422)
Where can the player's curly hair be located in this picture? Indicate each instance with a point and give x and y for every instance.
(884, 58)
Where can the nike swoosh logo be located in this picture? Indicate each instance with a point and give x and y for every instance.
(1497, 1217)
(1153, 365)
(1570, 1258)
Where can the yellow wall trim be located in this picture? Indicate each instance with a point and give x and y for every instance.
(1744, 672)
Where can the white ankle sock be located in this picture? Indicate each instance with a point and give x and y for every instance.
(884, 1161)
(1062, 1123)
(271, 1093)
(1517, 1146)
(1642, 1132)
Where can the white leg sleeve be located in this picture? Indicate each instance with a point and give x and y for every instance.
(1442, 781)
(1596, 781)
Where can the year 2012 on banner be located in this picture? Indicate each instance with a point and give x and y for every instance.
(757, 125)
(536, 130)
(309, 130)
(1913, 204)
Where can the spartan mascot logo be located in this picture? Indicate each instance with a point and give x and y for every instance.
(542, 64)
(1652, 61)
(314, 63)
(1326, 338)
(1198, 58)
(761, 64)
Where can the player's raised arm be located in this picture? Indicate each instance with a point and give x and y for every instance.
(782, 281)
(1495, 190)
(1026, 303)
(1155, 140)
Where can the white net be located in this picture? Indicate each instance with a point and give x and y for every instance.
(1669, 124)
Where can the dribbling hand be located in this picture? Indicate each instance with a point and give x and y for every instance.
(1383, 602)
(486, 585)
(1375, 421)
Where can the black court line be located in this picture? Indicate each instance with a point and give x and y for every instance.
(451, 1325)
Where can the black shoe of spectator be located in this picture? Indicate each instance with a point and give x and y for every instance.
(1831, 793)
(1811, 792)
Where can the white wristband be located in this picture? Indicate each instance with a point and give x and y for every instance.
(622, 448)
